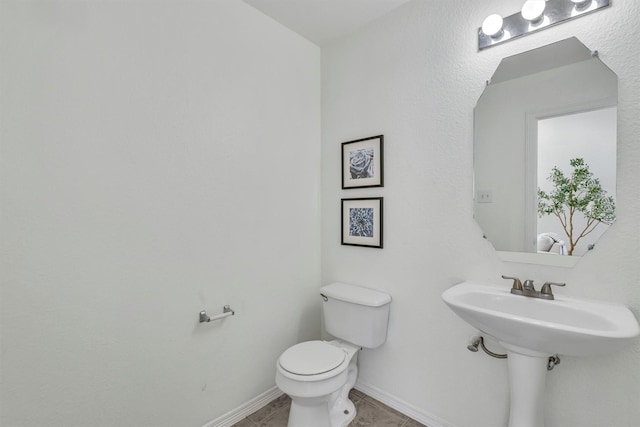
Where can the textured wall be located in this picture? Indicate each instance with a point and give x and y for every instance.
(415, 76)
(158, 159)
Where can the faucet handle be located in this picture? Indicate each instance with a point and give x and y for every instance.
(517, 284)
(546, 289)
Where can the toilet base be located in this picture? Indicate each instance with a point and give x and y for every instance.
(309, 412)
(342, 412)
(341, 408)
(320, 412)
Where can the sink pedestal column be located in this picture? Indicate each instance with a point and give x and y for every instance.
(527, 379)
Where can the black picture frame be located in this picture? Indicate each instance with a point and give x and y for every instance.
(362, 222)
(363, 163)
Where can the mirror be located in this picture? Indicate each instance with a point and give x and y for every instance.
(546, 117)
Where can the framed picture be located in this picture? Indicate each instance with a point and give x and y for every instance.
(362, 222)
(362, 163)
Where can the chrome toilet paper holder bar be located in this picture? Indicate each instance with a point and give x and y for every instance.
(226, 312)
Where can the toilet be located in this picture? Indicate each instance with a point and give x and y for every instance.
(318, 375)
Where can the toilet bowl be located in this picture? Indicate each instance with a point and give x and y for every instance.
(318, 375)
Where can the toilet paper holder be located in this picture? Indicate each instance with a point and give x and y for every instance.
(226, 312)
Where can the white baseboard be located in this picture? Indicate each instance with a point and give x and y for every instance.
(238, 414)
(402, 406)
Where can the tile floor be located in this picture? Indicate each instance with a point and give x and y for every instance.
(371, 413)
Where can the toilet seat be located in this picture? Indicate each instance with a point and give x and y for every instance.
(312, 358)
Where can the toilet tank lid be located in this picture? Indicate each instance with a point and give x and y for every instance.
(355, 294)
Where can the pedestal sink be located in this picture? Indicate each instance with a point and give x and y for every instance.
(532, 330)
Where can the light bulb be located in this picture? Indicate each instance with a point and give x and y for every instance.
(533, 10)
(492, 26)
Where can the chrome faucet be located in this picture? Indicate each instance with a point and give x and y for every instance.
(527, 288)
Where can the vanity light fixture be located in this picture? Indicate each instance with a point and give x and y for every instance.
(534, 16)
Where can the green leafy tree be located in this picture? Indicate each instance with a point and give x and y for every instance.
(580, 192)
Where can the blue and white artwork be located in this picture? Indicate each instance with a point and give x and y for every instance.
(361, 222)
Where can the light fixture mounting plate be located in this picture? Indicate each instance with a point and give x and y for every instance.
(556, 12)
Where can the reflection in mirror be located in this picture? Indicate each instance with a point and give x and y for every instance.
(572, 218)
(541, 110)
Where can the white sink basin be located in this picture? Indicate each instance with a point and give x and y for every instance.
(566, 325)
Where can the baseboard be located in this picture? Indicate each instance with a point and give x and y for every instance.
(240, 413)
(402, 406)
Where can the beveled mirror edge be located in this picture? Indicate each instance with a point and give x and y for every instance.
(539, 259)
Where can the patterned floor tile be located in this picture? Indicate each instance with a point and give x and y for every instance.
(370, 415)
(277, 419)
(272, 407)
(245, 423)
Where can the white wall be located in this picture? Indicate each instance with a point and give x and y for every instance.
(158, 158)
(415, 76)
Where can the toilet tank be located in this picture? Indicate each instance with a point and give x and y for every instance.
(356, 314)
